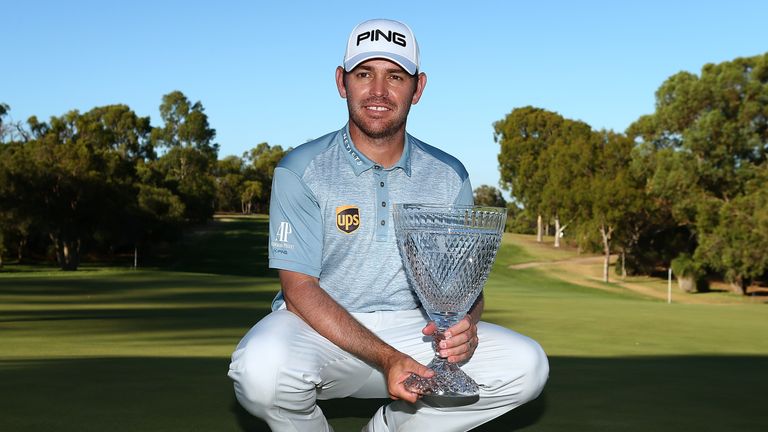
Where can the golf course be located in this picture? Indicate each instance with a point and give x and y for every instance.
(112, 348)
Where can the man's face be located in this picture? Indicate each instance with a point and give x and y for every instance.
(379, 95)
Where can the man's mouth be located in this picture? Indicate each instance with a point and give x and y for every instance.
(376, 108)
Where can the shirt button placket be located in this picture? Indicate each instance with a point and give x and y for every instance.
(382, 196)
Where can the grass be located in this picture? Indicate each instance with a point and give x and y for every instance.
(125, 350)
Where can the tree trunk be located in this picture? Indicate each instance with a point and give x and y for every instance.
(135, 257)
(606, 234)
(67, 252)
(539, 227)
(20, 251)
(686, 284)
(623, 265)
(739, 285)
(558, 231)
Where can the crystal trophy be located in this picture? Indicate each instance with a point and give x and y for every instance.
(447, 253)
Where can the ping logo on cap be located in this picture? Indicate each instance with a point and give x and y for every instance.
(376, 34)
(347, 219)
(382, 39)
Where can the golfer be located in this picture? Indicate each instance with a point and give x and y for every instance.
(346, 323)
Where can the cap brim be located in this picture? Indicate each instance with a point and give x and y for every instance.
(403, 62)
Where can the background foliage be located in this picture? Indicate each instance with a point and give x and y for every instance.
(686, 180)
(107, 182)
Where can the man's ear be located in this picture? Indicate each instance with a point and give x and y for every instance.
(340, 82)
(421, 82)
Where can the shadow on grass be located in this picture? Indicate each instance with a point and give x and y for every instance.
(135, 301)
(689, 393)
(230, 246)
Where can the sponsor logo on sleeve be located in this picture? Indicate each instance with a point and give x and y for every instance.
(281, 243)
(347, 219)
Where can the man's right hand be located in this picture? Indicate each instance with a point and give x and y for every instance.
(397, 370)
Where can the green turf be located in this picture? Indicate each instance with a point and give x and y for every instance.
(147, 350)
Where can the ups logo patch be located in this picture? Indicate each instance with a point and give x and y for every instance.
(347, 219)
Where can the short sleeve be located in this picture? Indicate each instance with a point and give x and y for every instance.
(295, 225)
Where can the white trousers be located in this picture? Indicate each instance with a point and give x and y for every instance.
(282, 366)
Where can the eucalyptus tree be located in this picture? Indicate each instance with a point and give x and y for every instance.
(74, 180)
(709, 138)
(230, 179)
(189, 154)
(486, 195)
(535, 161)
(14, 224)
(604, 195)
(260, 166)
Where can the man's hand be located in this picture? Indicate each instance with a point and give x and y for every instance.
(397, 369)
(460, 340)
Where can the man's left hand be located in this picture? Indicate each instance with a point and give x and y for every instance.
(460, 340)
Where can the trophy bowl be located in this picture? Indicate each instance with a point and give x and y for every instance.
(447, 253)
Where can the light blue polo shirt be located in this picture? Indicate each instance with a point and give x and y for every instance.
(330, 216)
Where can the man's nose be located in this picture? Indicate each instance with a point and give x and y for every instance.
(379, 86)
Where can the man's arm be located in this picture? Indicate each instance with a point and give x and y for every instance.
(304, 297)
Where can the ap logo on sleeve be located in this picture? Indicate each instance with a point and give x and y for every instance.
(281, 243)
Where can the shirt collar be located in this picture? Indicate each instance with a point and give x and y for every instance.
(360, 163)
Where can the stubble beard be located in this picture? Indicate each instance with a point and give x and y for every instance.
(372, 130)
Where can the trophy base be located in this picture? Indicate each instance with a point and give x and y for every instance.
(449, 381)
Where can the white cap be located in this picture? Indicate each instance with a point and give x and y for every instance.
(381, 38)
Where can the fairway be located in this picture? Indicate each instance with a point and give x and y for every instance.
(147, 350)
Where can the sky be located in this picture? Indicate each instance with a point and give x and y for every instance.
(264, 71)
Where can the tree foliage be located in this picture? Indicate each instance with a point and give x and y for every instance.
(687, 180)
(189, 162)
(564, 170)
(540, 150)
(708, 140)
(489, 196)
(262, 161)
(107, 179)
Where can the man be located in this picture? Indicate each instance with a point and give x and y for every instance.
(346, 322)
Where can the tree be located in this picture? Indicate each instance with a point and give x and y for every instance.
(571, 157)
(531, 158)
(14, 226)
(563, 169)
(708, 138)
(230, 179)
(185, 125)
(733, 235)
(190, 160)
(253, 191)
(74, 180)
(262, 161)
(10, 131)
(4, 109)
(489, 196)
(605, 197)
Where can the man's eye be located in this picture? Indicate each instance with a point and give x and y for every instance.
(363, 74)
(396, 77)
